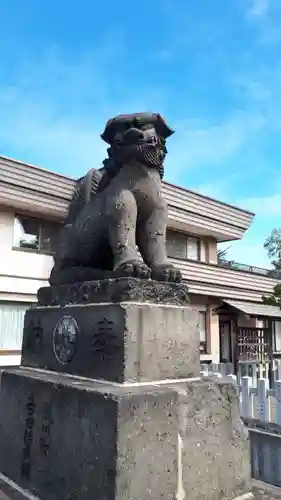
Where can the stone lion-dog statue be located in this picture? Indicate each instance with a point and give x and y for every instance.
(117, 218)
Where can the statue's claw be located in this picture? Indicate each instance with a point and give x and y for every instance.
(136, 269)
(166, 272)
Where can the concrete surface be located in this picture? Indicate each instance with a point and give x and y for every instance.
(67, 439)
(215, 448)
(265, 451)
(261, 491)
(119, 342)
(192, 427)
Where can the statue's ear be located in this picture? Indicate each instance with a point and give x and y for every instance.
(162, 127)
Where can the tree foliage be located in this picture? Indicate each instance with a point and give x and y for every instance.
(222, 253)
(272, 246)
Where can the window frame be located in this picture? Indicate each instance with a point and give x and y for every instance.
(198, 245)
(41, 223)
(274, 337)
(17, 305)
(187, 236)
(203, 344)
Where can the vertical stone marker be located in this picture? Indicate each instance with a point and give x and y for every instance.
(108, 403)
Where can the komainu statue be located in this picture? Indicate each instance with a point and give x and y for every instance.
(117, 218)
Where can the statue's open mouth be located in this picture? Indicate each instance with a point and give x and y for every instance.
(138, 136)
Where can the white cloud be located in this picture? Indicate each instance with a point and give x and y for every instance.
(198, 146)
(263, 206)
(247, 251)
(215, 189)
(52, 113)
(266, 15)
(258, 8)
(250, 250)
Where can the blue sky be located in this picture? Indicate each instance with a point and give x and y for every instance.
(211, 67)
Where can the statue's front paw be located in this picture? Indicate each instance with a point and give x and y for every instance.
(166, 272)
(136, 269)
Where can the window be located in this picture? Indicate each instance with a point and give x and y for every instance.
(34, 234)
(183, 246)
(176, 245)
(276, 336)
(193, 248)
(203, 251)
(202, 326)
(260, 323)
(11, 324)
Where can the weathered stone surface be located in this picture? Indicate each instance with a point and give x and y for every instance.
(66, 438)
(114, 290)
(60, 435)
(119, 342)
(117, 219)
(259, 492)
(265, 450)
(215, 445)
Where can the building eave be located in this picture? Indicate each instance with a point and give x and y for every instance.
(27, 187)
(250, 309)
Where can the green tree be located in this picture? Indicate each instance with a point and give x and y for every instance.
(272, 246)
(222, 253)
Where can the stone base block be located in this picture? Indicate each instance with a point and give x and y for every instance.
(123, 342)
(114, 290)
(214, 445)
(67, 439)
(64, 437)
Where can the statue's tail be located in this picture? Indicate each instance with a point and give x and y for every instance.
(85, 188)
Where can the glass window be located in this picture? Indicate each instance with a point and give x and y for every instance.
(260, 323)
(176, 245)
(26, 233)
(203, 251)
(277, 335)
(11, 324)
(193, 248)
(35, 234)
(183, 246)
(202, 326)
(48, 235)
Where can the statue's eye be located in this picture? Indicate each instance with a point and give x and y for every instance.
(118, 139)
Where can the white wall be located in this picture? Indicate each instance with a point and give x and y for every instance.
(202, 303)
(21, 273)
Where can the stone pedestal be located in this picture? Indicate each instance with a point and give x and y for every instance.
(76, 439)
(125, 342)
(108, 404)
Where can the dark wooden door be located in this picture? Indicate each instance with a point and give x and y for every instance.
(225, 342)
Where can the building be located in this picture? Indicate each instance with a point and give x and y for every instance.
(33, 202)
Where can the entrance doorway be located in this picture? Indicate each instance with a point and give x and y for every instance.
(225, 341)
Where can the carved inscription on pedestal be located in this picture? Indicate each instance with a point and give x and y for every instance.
(65, 339)
(105, 342)
(28, 438)
(47, 421)
(34, 335)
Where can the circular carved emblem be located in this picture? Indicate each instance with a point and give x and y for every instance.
(65, 339)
